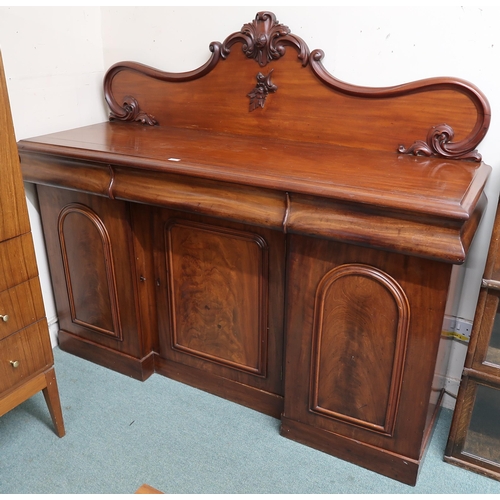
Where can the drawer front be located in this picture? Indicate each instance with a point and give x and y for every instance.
(13, 209)
(17, 261)
(20, 306)
(23, 354)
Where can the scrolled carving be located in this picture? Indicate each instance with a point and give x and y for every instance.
(440, 137)
(440, 143)
(264, 39)
(131, 111)
(259, 94)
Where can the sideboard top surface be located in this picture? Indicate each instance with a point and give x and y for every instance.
(265, 121)
(417, 184)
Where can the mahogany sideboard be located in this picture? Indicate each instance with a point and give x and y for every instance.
(263, 231)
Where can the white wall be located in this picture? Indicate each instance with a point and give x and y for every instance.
(372, 46)
(54, 67)
(55, 58)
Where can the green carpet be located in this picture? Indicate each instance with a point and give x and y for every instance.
(121, 433)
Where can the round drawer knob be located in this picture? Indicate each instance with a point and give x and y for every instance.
(14, 364)
(5, 317)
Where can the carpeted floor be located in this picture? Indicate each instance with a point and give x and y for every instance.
(121, 433)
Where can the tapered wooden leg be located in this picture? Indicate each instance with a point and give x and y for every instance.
(51, 394)
(21, 394)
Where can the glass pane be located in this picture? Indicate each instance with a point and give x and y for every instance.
(483, 436)
(493, 353)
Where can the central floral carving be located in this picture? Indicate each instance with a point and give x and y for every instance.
(259, 94)
(264, 40)
(263, 33)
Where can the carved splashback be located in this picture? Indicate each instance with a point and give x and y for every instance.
(263, 81)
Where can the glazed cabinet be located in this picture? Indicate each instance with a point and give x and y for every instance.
(26, 360)
(474, 440)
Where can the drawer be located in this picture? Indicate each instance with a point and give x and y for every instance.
(17, 261)
(24, 353)
(20, 306)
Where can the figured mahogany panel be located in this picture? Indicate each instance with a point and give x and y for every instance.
(360, 332)
(220, 296)
(218, 289)
(90, 253)
(369, 362)
(89, 269)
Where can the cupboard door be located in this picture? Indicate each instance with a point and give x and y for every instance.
(364, 326)
(91, 261)
(221, 301)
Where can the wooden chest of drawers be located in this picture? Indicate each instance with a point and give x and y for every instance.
(26, 360)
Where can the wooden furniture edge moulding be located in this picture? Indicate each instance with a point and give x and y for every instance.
(247, 221)
(265, 40)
